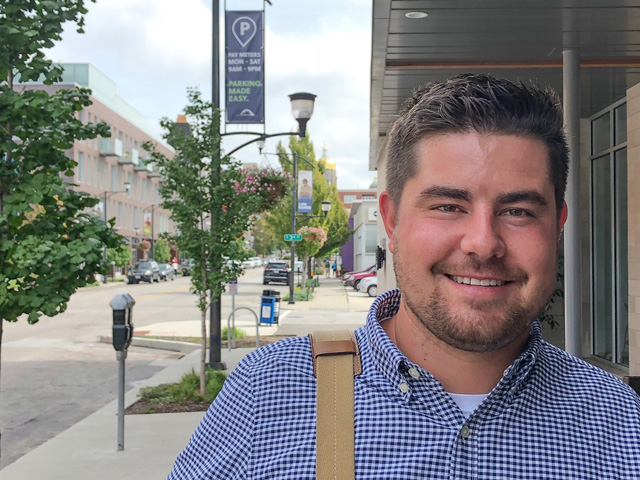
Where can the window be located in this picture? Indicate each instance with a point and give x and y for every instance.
(113, 178)
(609, 220)
(81, 167)
(349, 198)
(95, 172)
(368, 197)
(370, 238)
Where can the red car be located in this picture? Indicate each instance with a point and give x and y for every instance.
(353, 279)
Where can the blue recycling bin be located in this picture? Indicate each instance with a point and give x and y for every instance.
(267, 310)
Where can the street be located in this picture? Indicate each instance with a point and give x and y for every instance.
(56, 372)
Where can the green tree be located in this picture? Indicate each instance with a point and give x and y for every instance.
(264, 241)
(49, 245)
(162, 251)
(120, 255)
(336, 223)
(197, 181)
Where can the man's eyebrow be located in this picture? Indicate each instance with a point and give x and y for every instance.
(446, 192)
(528, 196)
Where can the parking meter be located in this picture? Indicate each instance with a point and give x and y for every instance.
(122, 306)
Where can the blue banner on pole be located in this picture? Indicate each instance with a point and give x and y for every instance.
(245, 66)
(305, 191)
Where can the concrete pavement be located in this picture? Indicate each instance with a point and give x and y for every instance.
(152, 442)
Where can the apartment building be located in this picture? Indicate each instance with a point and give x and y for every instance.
(116, 170)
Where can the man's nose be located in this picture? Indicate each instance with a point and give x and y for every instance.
(482, 237)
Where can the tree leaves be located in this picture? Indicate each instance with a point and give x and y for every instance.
(49, 245)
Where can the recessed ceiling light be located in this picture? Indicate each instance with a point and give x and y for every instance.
(416, 14)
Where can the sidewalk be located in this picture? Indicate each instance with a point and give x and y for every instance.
(152, 442)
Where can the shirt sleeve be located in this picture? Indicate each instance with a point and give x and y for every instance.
(220, 448)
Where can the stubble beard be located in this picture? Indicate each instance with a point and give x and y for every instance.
(470, 332)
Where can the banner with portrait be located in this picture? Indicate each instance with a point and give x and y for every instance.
(305, 191)
(146, 228)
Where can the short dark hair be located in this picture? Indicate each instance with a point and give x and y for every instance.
(469, 102)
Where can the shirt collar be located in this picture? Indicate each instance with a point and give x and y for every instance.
(389, 360)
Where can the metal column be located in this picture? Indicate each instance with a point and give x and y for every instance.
(294, 206)
(572, 290)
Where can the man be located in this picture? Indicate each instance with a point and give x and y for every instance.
(456, 380)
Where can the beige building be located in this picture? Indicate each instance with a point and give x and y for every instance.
(588, 52)
(106, 165)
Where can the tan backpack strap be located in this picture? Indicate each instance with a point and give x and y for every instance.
(336, 360)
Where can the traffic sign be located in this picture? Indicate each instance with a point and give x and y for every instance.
(292, 237)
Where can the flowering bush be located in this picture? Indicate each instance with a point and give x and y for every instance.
(144, 245)
(315, 236)
(266, 182)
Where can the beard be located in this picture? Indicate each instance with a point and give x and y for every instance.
(486, 325)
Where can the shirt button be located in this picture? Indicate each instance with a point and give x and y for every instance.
(414, 373)
(465, 431)
(404, 387)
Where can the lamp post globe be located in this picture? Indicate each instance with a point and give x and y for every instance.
(302, 109)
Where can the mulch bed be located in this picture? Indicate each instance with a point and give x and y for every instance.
(144, 406)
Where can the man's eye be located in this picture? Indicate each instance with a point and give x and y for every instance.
(448, 208)
(517, 212)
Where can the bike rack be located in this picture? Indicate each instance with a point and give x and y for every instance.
(231, 332)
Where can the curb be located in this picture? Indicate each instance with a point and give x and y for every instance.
(170, 345)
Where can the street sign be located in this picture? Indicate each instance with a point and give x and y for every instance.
(233, 287)
(292, 237)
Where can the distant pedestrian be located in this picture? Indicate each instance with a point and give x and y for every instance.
(334, 267)
(327, 269)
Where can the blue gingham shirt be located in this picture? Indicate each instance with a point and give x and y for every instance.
(551, 416)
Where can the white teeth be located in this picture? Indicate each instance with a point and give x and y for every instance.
(475, 281)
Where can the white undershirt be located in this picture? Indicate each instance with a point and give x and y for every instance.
(467, 402)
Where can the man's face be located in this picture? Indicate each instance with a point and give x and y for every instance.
(474, 238)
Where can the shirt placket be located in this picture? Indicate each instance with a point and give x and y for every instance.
(464, 457)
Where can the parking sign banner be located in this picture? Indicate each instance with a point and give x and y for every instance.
(244, 33)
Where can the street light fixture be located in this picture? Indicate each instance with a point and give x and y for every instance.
(107, 195)
(302, 109)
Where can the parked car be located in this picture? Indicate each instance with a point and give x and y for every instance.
(167, 272)
(146, 271)
(353, 279)
(187, 266)
(369, 286)
(276, 272)
(252, 262)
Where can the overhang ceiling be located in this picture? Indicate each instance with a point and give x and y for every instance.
(514, 39)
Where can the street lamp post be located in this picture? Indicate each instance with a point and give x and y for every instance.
(107, 195)
(326, 206)
(302, 108)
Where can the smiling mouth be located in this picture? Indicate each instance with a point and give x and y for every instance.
(484, 282)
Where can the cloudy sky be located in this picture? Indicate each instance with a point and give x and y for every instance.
(154, 49)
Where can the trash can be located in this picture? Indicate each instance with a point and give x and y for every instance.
(276, 309)
(267, 308)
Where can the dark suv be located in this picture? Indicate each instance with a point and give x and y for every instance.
(147, 271)
(276, 272)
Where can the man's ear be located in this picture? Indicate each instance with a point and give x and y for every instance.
(388, 214)
(562, 218)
